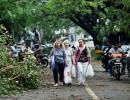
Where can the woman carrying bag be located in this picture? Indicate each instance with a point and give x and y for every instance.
(58, 57)
(83, 58)
(70, 68)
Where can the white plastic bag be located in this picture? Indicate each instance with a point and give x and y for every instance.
(67, 75)
(89, 70)
(73, 71)
(52, 62)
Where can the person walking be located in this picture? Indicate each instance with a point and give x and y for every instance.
(83, 58)
(59, 57)
(69, 56)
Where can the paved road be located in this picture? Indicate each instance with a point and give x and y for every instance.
(100, 87)
(107, 88)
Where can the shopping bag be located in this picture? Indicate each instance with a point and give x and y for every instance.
(89, 70)
(67, 75)
(52, 62)
(73, 71)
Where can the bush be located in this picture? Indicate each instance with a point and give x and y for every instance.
(7, 88)
(15, 76)
(19, 76)
(95, 55)
(27, 74)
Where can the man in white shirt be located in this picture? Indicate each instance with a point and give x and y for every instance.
(115, 50)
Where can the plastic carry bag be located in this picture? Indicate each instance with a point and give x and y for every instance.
(52, 62)
(73, 71)
(89, 70)
(67, 75)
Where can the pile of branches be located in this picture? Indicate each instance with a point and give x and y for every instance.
(16, 76)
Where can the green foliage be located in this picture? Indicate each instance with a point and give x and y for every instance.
(27, 72)
(19, 14)
(15, 76)
(65, 8)
(50, 15)
(6, 87)
(117, 11)
(96, 56)
(118, 15)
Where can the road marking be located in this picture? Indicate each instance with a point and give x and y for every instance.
(91, 92)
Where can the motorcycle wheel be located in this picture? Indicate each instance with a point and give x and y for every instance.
(44, 63)
(118, 76)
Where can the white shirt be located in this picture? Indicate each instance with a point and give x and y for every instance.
(69, 53)
(112, 50)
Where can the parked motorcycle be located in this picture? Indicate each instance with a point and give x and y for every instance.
(42, 59)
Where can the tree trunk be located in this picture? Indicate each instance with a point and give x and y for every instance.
(87, 23)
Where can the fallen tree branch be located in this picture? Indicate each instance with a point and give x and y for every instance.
(2, 70)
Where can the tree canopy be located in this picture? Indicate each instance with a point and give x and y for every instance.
(99, 18)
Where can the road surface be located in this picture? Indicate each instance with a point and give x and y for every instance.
(99, 87)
